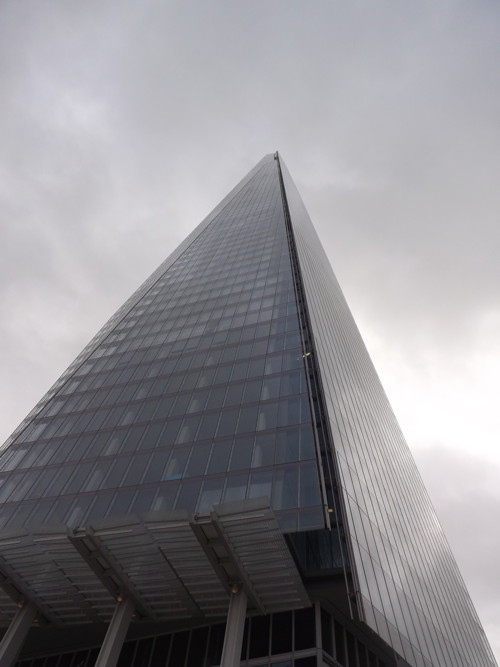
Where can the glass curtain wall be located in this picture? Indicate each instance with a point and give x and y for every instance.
(195, 396)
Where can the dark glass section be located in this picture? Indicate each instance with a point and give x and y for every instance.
(215, 644)
(178, 650)
(272, 638)
(351, 648)
(244, 643)
(304, 631)
(197, 647)
(143, 653)
(326, 632)
(362, 655)
(282, 632)
(339, 643)
(160, 651)
(318, 551)
(126, 655)
(259, 637)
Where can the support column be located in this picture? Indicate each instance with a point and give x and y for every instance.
(233, 638)
(115, 636)
(16, 634)
(319, 632)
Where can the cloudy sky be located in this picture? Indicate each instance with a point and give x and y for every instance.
(123, 123)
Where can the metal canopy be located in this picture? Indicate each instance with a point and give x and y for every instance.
(172, 565)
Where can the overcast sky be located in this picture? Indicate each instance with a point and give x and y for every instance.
(124, 122)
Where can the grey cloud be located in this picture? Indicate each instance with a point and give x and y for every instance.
(466, 496)
(124, 123)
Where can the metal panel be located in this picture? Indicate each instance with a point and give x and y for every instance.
(44, 566)
(169, 564)
(260, 552)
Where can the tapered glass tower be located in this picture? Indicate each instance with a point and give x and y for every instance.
(223, 449)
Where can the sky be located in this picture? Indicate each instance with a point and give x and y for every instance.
(124, 123)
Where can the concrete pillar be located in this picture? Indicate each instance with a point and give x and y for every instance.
(115, 636)
(16, 634)
(233, 638)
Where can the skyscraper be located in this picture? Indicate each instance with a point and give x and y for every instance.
(223, 448)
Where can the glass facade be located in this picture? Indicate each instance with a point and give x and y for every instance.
(407, 584)
(197, 395)
(302, 638)
(236, 371)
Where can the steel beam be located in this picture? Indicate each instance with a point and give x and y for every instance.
(115, 636)
(233, 638)
(16, 634)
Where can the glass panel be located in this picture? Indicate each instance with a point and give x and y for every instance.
(236, 488)
(215, 643)
(263, 454)
(309, 486)
(210, 495)
(304, 628)
(197, 647)
(259, 637)
(188, 496)
(176, 464)
(219, 458)
(282, 632)
(160, 651)
(178, 649)
(198, 460)
(260, 484)
(242, 453)
(285, 488)
(287, 446)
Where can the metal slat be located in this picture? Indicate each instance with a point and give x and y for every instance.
(171, 565)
